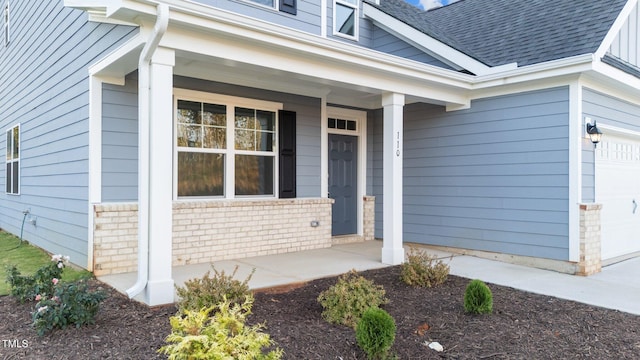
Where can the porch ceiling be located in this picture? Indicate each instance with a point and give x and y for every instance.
(232, 71)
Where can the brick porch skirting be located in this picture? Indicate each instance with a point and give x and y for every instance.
(213, 230)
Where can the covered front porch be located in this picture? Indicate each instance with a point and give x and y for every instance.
(275, 270)
(208, 63)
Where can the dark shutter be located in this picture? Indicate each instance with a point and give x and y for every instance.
(288, 6)
(287, 165)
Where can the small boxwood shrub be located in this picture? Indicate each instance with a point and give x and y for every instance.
(422, 269)
(346, 301)
(478, 298)
(209, 291)
(218, 332)
(375, 333)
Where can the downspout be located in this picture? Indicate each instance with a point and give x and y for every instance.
(162, 21)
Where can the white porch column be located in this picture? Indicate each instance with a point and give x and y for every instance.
(392, 250)
(160, 289)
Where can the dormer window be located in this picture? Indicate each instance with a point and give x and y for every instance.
(345, 18)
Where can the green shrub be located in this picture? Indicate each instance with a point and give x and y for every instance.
(422, 269)
(209, 291)
(71, 304)
(223, 335)
(375, 333)
(27, 287)
(478, 298)
(346, 301)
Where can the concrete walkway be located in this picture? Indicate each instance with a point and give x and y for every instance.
(616, 287)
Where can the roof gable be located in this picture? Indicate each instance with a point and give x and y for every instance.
(625, 46)
(498, 32)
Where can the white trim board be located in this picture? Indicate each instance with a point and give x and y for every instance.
(361, 133)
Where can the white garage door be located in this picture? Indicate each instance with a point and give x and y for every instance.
(618, 190)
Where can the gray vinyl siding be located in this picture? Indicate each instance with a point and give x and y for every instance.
(44, 86)
(390, 44)
(120, 142)
(307, 18)
(605, 109)
(120, 131)
(493, 177)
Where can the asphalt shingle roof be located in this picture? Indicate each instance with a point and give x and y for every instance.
(497, 32)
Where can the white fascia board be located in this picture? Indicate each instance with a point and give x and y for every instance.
(615, 28)
(101, 67)
(429, 45)
(549, 69)
(617, 75)
(95, 5)
(615, 82)
(368, 73)
(283, 37)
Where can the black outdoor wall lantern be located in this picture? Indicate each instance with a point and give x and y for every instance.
(594, 133)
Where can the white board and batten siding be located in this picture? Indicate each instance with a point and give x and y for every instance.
(45, 88)
(617, 172)
(494, 177)
(626, 45)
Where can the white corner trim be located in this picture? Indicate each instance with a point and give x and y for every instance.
(576, 124)
(95, 158)
(433, 47)
(323, 18)
(615, 29)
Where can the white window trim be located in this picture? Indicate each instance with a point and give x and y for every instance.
(18, 160)
(276, 4)
(356, 20)
(231, 102)
(360, 117)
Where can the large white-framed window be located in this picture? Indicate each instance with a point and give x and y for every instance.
(12, 175)
(225, 146)
(7, 27)
(345, 18)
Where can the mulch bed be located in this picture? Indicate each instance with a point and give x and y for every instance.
(523, 326)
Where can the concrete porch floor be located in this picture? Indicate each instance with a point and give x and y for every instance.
(616, 287)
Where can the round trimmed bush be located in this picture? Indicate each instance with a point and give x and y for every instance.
(375, 333)
(478, 298)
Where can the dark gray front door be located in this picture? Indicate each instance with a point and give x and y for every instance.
(343, 183)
